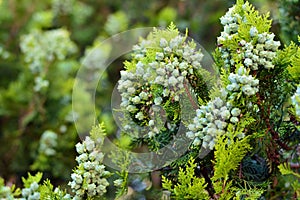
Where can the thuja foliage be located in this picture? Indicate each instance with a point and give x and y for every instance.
(88, 180)
(8, 192)
(246, 120)
(45, 85)
(289, 20)
(42, 45)
(241, 132)
(40, 53)
(188, 186)
(165, 71)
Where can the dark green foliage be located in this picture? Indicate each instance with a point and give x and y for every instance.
(255, 168)
(289, 20)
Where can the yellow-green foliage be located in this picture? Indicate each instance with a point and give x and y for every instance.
(248, 193)
(48, 192)
(290, 58)
(8, 192)
(230, 150)
(189, 186)
(294, 68)
(98, 133)
(253, 18)
(285, 169)
(36, 178)
(155, 36)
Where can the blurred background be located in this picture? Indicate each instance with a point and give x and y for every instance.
(43, 44)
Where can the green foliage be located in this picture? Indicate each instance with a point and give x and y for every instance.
(8, 192)
(42, 45)
(285, 169)
(289, 20)
(98, 133)
(121, 159)
(172, 32)
(30, 179)
(289, 59)
(292, 52)
(121, 183)
(252, 19)
(52, 38)
(166, 16)
(188, 186)
(230, 150)
(255, 169)
(48, 192)
(116, 22)
(249, 192)
(38, 97)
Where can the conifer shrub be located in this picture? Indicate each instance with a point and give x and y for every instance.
(238, 127)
